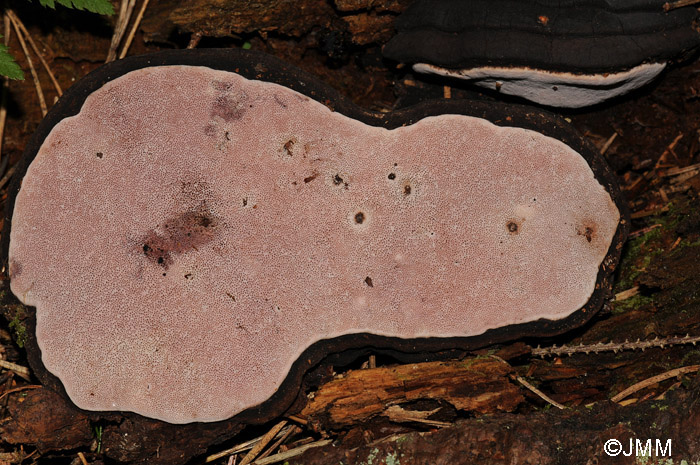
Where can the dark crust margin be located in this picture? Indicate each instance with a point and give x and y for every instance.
(582, 36)
(259, 66)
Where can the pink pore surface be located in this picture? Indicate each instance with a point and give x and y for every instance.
(189, 233)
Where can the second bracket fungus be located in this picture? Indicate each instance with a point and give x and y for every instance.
(189, 235)
(572, 53)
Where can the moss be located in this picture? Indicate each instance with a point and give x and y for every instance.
(636, 256)
(633, 303)
(17, 325)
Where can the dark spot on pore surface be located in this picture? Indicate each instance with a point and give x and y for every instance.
(15, 269)
(99, 154)
(513, 227)
(588, 232)
(407, 189)
(337, 180)
(288, 146)
(228, 104)
(368, 281)
(359, 217)
(279, 102)
(310, 178)
(391, 176)
(179, 234)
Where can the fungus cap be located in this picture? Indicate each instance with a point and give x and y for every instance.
(190, 233)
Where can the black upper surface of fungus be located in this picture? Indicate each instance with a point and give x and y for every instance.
(586, 36)
(258, 66)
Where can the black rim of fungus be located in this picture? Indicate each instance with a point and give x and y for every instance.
(459, 35)
(254, 65)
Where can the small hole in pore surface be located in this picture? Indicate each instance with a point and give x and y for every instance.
(160, 260)
(368, 281)
(288, 147)
(359, 217)
(512, 227)
(392, 176)
(407, 189)
(99, 154)
(337, 180)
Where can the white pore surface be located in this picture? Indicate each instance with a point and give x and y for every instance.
(283, 263)
(556, 89)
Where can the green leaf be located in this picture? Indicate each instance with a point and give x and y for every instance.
(103, 7)
(8, 67)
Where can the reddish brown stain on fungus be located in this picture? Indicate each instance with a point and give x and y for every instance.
(179, 234)
(15, 269)
(228, 105)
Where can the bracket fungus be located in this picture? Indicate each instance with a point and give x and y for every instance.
(572, 53)
(195, 235)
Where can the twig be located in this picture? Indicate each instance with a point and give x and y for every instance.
(264, 441)
(290, 453)
(679, 4)
(35, 76)
(7, 176)
(532, 388)
(293, 430)
(614, 346)
(669, 149)
(82, 458)
(685, 169)
(541, 394)
(397, 414)
(655, 379)
(134, 28)
(5, 82)
(643, 231)
(644, 213)
(608, 143)
(194, 39)
(626, 294)
(298, 419)
(46, 66)
(125, 10)
(242, 447)
(19, 369)
(21, 388)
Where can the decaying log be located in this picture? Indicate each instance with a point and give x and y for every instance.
(41, 417)
(477, 385)
(366, 21)
(571, 436)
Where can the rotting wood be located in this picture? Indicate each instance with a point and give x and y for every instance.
(476, 385)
